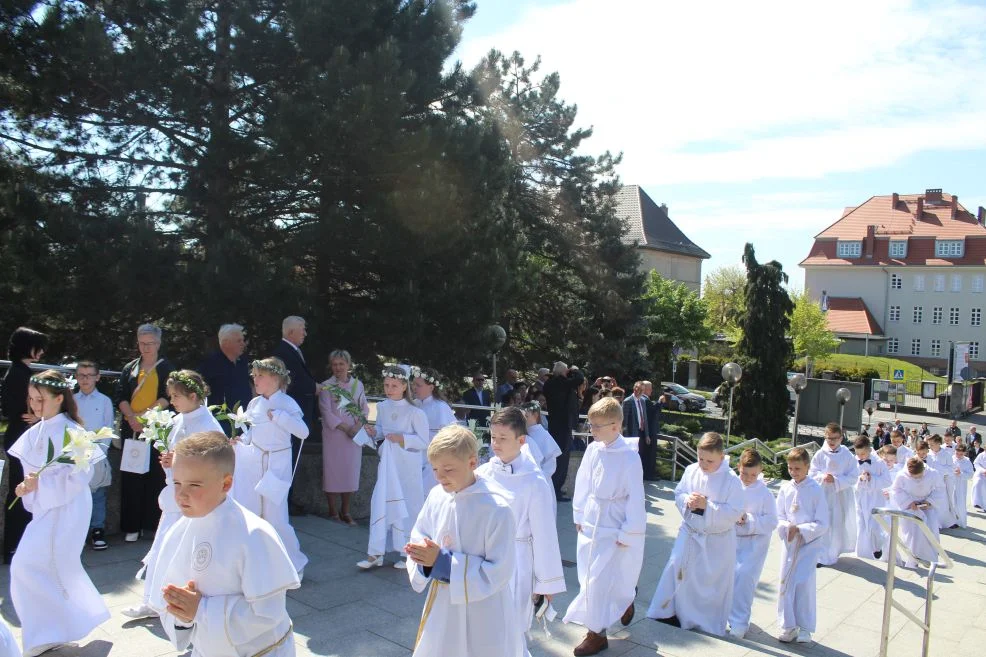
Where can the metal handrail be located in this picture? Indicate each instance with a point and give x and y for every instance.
(811, 447)
(64, 369)
(888, 598)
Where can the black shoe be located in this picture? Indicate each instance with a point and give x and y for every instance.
(818, 565)
(954, 526)
(878, 554)
(97, 539)
(296, 510)
(673, 621)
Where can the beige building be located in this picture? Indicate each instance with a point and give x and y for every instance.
(904, 275)
(663, 247)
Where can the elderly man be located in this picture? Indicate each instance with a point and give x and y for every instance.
(303, 387)
(505, 388)
(560, 394)
(477, 395)
(227, 370)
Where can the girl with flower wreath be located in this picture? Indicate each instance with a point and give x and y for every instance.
(187, 392)
(55, 600)
(264, 468)
(403, 435)
(429, 398)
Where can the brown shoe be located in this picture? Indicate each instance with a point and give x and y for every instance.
(592, 644)
(627, 616)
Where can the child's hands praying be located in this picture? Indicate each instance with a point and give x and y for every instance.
(424, 553)
(696, 501)
(792, 531)
(828, 479)
(183, 603)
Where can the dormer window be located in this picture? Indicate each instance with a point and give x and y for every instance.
(898, 248)
(949, 248)
(849, 249)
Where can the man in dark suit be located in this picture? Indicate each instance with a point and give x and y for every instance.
(559, 393)
(478, 395)
(303, 388)
(638, 422)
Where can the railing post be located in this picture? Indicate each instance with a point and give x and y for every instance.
(674, 461)
(926, 645)
(888, 589)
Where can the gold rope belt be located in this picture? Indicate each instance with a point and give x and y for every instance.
(280, 642)
(429, 603)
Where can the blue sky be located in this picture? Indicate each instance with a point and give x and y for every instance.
(761, 121)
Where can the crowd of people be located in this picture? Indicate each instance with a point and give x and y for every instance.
(480, 537)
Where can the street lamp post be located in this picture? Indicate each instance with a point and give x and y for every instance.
(497, 338)
(797, 383)
(843, 396)
(869, 406)
(732, 373)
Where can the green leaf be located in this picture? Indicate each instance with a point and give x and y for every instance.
(66, 439)
(51, 452)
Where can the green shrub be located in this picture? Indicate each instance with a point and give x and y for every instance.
(692, 425)
(676, 430)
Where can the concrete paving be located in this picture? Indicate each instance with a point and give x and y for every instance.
(343, 612)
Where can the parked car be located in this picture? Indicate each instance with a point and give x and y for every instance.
(681, 398)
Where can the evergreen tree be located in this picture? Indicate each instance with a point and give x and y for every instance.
(765, 353)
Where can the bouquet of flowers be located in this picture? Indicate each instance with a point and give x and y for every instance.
(80, 448)
(346, 401)
(238, 420)
(157, 425)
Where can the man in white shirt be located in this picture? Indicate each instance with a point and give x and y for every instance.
(96, 411)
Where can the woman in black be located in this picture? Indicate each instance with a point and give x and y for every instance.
(26, 346)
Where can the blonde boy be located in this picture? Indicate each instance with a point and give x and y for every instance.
(873, 479)
(222, 574)
(963, 473)
(803, 518)
(608, 509)
(753, 532)
(462, 550)
(835, 469)
(532, 501)
(696, 587)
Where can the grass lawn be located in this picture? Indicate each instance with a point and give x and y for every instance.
(884, 365)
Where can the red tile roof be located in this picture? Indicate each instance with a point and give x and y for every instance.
(898, 221)
(850, 315)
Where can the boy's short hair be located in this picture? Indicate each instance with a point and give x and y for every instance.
(923, 444)
(750, 458)
(799, 454)
(453, 440)
(862, 442)
(960, 447)
(896, 433)
(833, 427)
(212, 446)
(511, 418)
(935, 439)
(888, 450)
(606, 408)
(711, 442)
(88, 364)
(915, 465)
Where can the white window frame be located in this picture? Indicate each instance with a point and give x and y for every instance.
(919, 283)
(896, 281)
(949, 248)
(915, 346)
(939, 282)
(918, 314)
(976, 317)
(956, 283)
(893, 345)
(849, 249)
(936, 347)
(898, 248)
(937, 314)
(894, 313)
(953, 316)
(977, 283)
(974, 350)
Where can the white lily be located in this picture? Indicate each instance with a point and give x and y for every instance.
(240, 419)
(81, 447)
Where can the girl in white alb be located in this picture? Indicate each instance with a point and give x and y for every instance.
(429, 398)
(264, 468)
(979, 481)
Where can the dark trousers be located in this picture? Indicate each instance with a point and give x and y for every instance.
(648, 457)
(16, 519)
(139, 507)
(295, 448)
(563, 437)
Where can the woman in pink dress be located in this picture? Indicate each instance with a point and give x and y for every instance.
(341, 457)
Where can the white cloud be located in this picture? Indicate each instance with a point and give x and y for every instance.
(725, 91)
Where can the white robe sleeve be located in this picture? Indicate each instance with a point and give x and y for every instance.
(762, 519)
(580, 496)
(848, 471)
(423, 527)
(681, 493)
(634, 526)
(900, 493)
(474, 577)
(548, 575)
(421, 438)
(721, 516)
(291, 421)
(817, 469)
(938, 496)
(965, 469)
(224, 622)
(819, 524)
(780, 507)
(57, 486)
(879, 476)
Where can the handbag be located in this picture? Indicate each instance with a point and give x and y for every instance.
(273, 488)
(136, 456)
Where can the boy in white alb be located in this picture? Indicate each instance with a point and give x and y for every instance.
(222, 576)
(963, 473)
(753, 532)
(696, 587)
(921, 491)
(979, 481)
(903, 451)
(608, 509)
(532, 500)
(873, 479)
(940, 460)
(462, 550)
(96, 411)
(537, 434)
(803, 517)
(834, 468)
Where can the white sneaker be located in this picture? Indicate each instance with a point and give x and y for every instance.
(787, 636)
(737, 632)
(138, 612)
(132, 537)
(804, 636)
(374, 562)
(400, 565)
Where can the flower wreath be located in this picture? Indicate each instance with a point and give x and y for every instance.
(267, 367)
(395, 373)
(67, 384)
(189, 383)
(418, 373)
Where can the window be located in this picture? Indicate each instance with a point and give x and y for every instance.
(939, 282)
(936, 347)
(936, 315)
(949, 248)
(894, 313)
(850, 249)
(916, 347)
(895, 281)
(976, 317)
(919, 283)
(892, 345)
(918, 314)
(898, 248)
(953, 316)
(974, 350)
(977, 283)
(956, 282)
